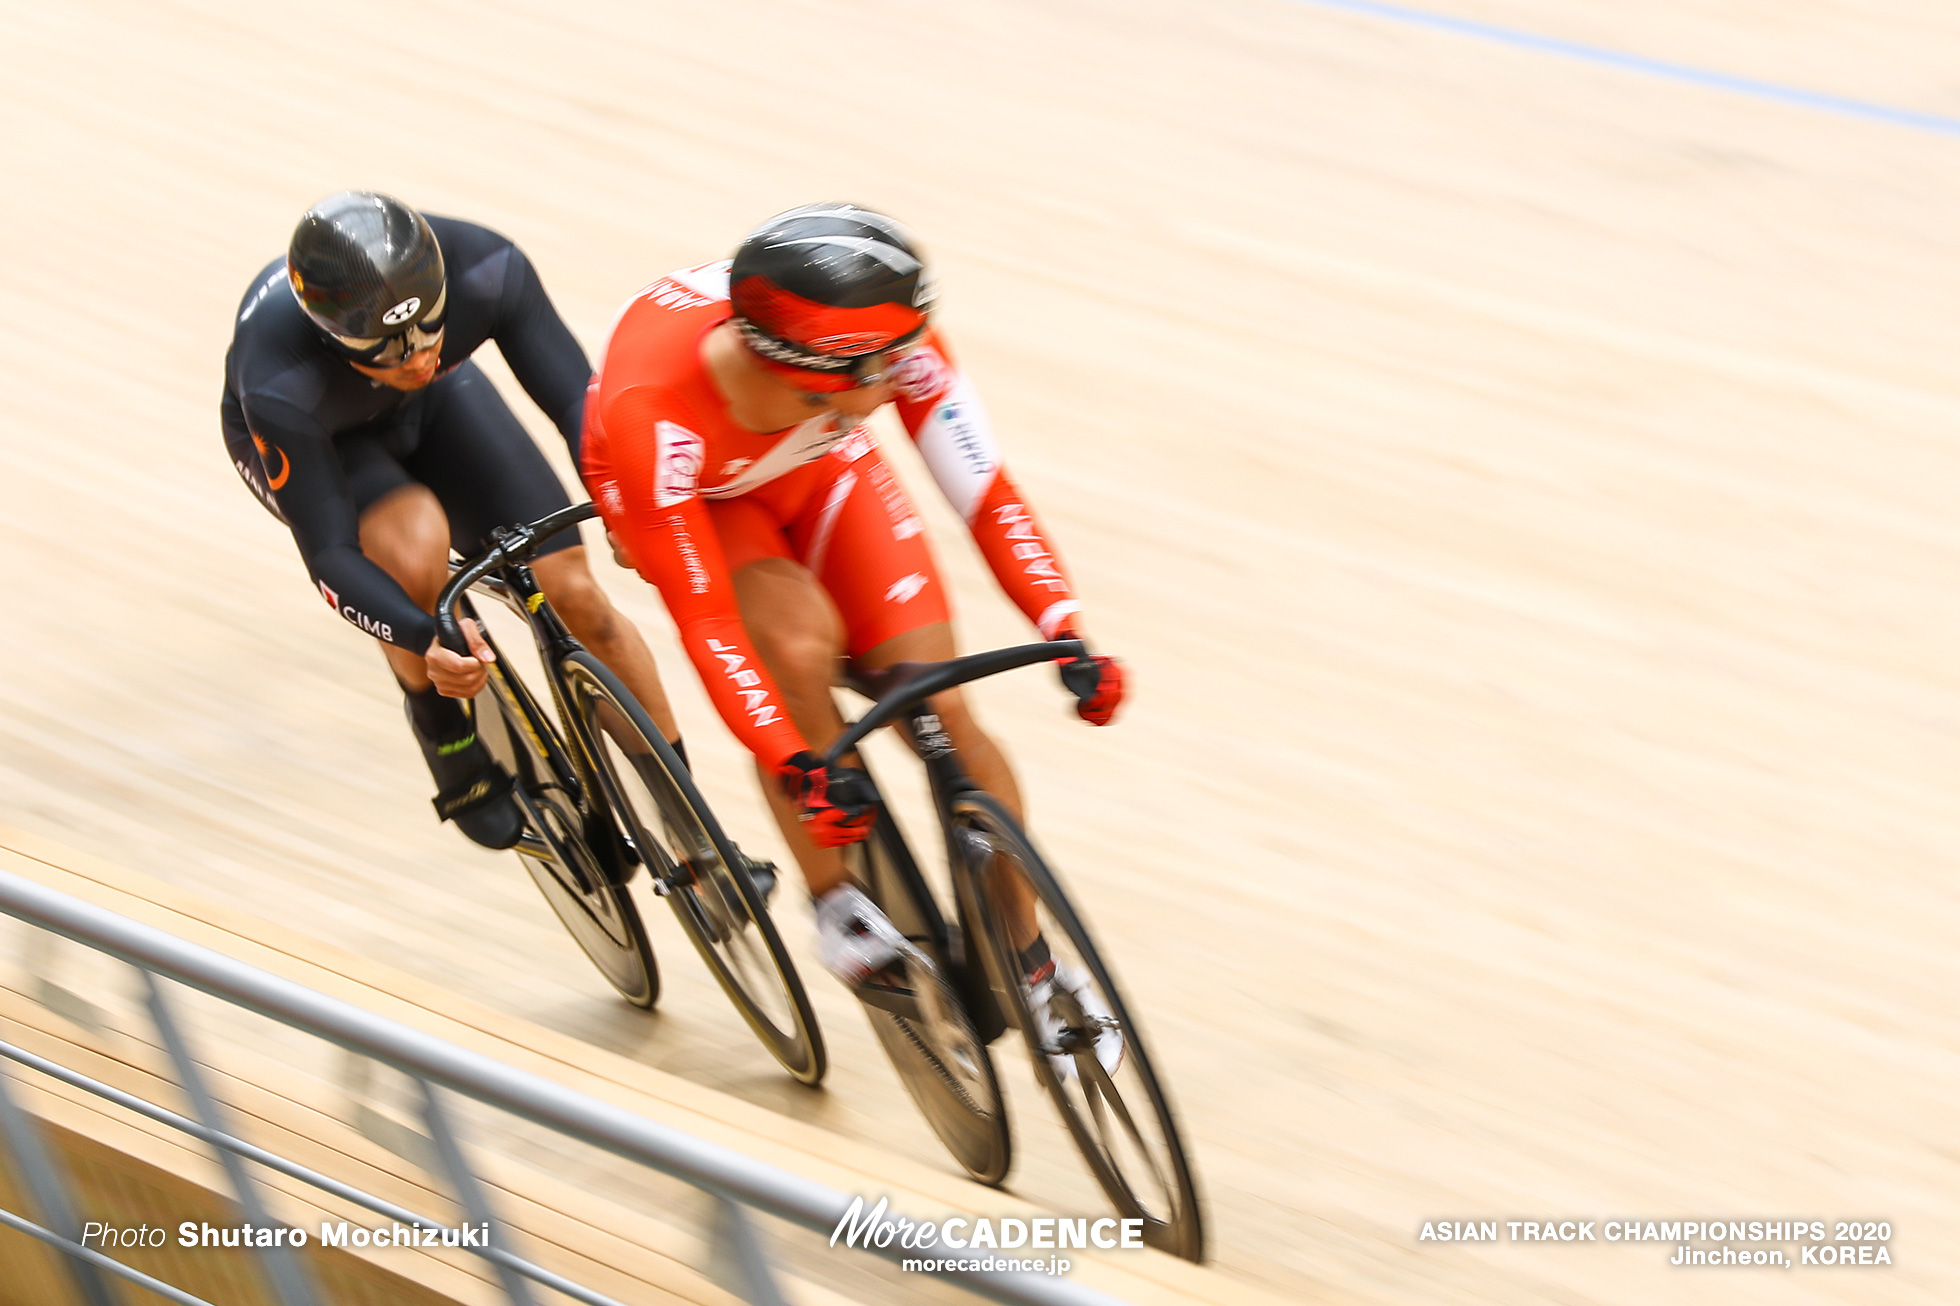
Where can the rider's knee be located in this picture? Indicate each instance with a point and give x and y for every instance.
(809, 657)
(581, 604)
(409, 539)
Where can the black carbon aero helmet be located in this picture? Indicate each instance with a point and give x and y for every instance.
(819, 290)
(367, 270)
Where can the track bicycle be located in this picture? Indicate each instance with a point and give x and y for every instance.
(959, 983)
(603, 794)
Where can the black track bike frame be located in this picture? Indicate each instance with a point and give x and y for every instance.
(900, 695)
(505, 573)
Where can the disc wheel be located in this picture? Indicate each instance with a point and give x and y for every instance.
(1120, 1119)
(671, 831)
(593, 907)
(942, 1062)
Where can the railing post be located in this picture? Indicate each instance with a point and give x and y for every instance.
(469, 1193)
(289, 1282)
(738, 1254)
(43, 1180)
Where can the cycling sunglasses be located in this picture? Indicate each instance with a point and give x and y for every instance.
(393, 351)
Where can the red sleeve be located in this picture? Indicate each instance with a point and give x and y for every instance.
(641, 466)
(1024, 564)
(948, 423)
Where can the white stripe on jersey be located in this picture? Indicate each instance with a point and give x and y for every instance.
(833, 508)
(958, 443)
(1054, 614)
(708, 280)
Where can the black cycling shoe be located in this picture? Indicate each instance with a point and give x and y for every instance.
(472, 790)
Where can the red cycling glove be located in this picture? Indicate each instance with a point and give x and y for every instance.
(835, 804)
(1096, 682)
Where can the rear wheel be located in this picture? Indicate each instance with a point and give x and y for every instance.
(1120, 1119)
(596, 910)
(677, 838)
(924, 1027)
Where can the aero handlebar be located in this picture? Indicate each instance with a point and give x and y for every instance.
(510, 544)
(913, 683)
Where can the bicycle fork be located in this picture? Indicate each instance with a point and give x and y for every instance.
(967, 956)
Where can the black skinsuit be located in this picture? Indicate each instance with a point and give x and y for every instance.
(319, 443)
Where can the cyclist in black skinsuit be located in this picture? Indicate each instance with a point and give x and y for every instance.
(353, 412)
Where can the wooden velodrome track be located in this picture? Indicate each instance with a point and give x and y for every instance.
(1525, 491)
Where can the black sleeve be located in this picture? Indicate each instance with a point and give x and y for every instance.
(312, 492)
(541, 350)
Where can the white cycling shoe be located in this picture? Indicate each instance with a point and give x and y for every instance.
(854, 938)
(1065, 1005)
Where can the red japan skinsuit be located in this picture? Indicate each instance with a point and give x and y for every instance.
(693, 497)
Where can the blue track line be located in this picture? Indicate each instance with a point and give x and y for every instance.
(1840, 104)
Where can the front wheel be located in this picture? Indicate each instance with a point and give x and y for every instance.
(1120, 1118)
(922, 1023)
(592, 906)
(674, 835)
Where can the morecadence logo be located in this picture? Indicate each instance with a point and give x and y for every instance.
(981, 1238)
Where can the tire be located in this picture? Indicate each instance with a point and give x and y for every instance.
(592, 904)
(943, 1063)
(677, 838)
(1122, 1123)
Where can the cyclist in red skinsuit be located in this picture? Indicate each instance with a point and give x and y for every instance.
(726, 448)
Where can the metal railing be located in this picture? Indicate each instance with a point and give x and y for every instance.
(736, 1182)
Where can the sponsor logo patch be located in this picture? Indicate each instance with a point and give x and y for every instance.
(906, 588)
(379, 629)
(922, 375)
(679, 469)
(273, 481)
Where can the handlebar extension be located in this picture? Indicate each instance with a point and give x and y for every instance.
(911, 687)
(509, 545)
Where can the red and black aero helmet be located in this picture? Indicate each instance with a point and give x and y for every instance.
(368, 271)
(819, 290)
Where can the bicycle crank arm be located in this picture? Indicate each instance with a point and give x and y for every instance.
(887, 997)
(537, 835)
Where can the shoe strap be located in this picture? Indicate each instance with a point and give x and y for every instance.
(468, 795)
